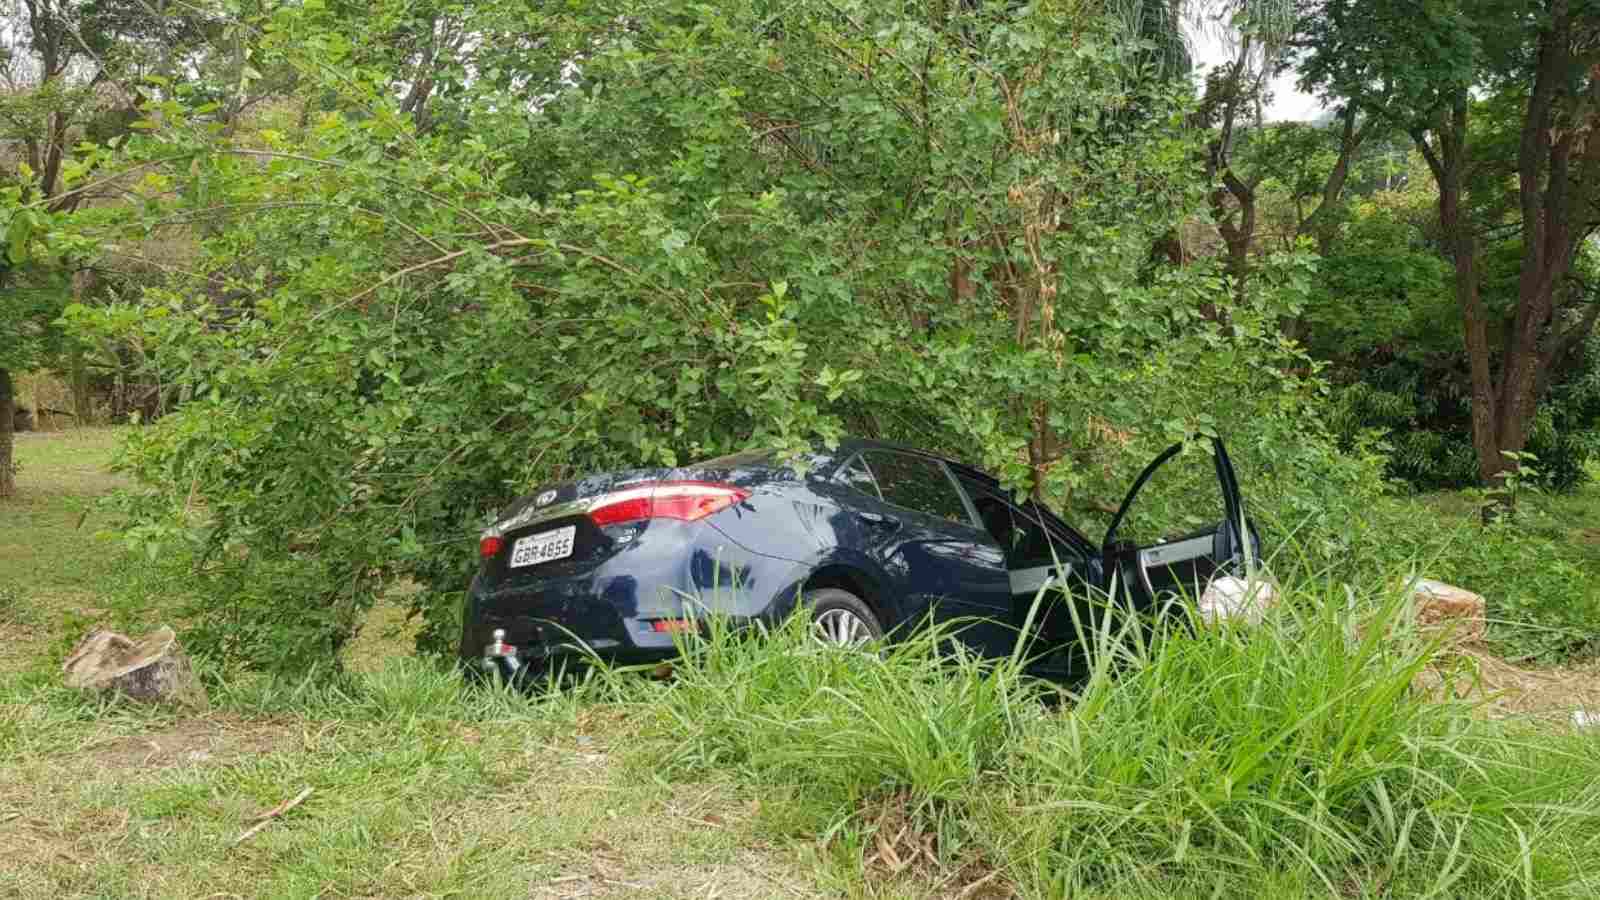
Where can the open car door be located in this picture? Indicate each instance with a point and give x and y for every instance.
(1152, 567)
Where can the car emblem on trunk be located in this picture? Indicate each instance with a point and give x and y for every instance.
(544, 498)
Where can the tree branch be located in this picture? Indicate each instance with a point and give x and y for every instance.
(1420, 138)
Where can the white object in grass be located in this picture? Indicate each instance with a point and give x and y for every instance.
(1234, 599)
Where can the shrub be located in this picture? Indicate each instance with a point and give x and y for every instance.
(1422, 409)
(1543, 601)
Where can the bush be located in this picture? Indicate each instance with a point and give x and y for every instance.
(1422, 412)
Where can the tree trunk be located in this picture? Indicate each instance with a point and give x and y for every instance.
(8, 406)
(1321, 223)
(1448, 162)
(1238, 234)
(1475, 328)
(1555, 175)
(78, 374)
(1552, 198)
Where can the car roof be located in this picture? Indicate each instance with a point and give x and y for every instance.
(828, 461)
(849, 446)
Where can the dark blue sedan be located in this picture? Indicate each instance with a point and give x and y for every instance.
(871, 538)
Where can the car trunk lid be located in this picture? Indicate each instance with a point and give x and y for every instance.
(551, 500)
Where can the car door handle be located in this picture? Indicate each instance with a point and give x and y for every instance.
(878, 520)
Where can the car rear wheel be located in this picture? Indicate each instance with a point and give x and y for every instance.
(840, 619)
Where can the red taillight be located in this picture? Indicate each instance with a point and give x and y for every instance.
(686, 500)
(671, 625)
(621, 506)
(490, 545)
(690, 500)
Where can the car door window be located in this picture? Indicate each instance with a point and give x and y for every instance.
(1025, 541)
(1183, 498)
(917, 483)
(855, 474)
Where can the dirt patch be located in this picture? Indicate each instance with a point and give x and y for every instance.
(188, 742)
(749, 874)
(608, 831)
(899, 850)
(17, 638)
(1551, 694)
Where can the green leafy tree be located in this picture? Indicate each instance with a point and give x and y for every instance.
(33, 292)
(657, 233)
(1537, 66)
(77, 74)
(72, 70)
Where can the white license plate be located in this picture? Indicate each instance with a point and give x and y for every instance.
(543, 547)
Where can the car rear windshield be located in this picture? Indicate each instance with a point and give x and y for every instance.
(738, 460)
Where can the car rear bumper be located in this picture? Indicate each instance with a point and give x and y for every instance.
(612, 610)
(563, 617)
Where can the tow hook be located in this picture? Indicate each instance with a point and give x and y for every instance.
(501, 657)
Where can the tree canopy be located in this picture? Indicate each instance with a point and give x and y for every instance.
(390, 266)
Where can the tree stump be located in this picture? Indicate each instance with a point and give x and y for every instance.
(152, 669)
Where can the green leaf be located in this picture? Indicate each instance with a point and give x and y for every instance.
(17, 236)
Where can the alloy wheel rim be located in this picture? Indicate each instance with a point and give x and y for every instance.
(841, 628)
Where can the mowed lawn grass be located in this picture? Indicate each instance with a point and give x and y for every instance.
(419, 787)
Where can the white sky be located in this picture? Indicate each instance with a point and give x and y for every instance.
(1287, 103)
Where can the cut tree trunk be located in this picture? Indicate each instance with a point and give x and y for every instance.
(8, 407)
(152, 669)
(1440, 607)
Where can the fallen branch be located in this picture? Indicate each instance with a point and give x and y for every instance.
(266, 818)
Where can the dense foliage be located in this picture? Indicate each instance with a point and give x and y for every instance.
(393, 266)
(716, 234)
(1384, 315)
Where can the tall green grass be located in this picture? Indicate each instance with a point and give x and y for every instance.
(1219, 754)
(1294, 757)
(845, 725)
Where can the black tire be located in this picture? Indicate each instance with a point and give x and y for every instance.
(842, 619)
